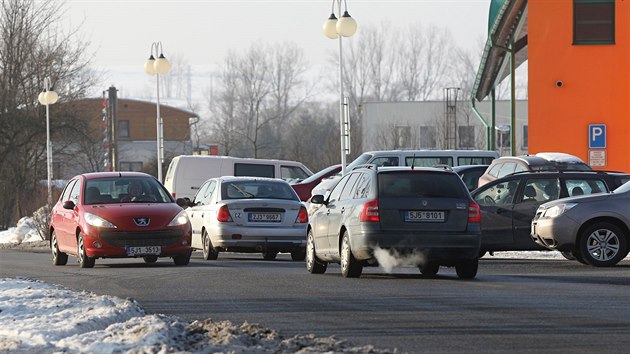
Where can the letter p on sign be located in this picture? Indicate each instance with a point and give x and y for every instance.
(597, 136)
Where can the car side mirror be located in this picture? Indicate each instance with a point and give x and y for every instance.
(183, 202)
(68, 204)
(318, 199)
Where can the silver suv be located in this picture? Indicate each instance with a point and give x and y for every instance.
(422, 214)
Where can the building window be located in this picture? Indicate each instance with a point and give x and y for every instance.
(123, 129)
(135, 166)
(427, 137)
(525, 137)
(593, 21)
(403, 137)
(503, 136)
(466, 134)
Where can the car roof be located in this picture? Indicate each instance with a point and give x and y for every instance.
(97, 175)
(564, 173)
(379, 169)
(249, 178)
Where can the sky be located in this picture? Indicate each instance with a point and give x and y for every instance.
(204, 32)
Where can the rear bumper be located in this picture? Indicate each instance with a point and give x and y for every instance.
(442, 247)
(250, 239)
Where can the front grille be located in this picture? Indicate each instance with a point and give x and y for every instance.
(143, 238)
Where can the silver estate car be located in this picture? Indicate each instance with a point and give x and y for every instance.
(424, 213)
(248, 214)
(594, 228)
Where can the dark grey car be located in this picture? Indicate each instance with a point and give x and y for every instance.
(424, 212)
(595, 228)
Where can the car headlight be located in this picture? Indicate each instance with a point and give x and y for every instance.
(179, 219)
(98, 221)
(558, 209)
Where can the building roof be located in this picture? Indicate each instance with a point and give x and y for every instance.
(507, 23)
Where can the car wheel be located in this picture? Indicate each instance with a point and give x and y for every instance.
(578, 257)
(182, 259)
(350, 267)
(150, 259)
(58, 257)
(568, 255)
(313, 264)
(84, 260)
(209, 252)
(269, 255)
(429, 268)
(603, 244)
(467, 269)
(298, 255)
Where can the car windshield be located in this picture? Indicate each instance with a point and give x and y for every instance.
(124, 190)
(623, 188)
(361, 160)
(257, 189)
(420, 184)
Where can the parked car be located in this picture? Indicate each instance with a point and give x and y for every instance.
(426, 212)
(544, 161)
(470, 174)
(186, 173)
(416, 158)
(118, 214)
(248, 214)
(509, 204)
(594, 229)
(304, 187)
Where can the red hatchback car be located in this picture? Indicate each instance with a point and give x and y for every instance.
(304, 187)
(115, 215)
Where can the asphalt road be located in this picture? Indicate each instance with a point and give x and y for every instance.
(524, 306)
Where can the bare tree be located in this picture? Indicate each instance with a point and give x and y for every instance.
(32, 47)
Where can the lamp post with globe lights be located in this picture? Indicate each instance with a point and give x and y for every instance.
(156, 67)
(46, 98)
(335, 28)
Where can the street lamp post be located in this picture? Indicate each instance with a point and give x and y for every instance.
(335, 28)
(48, 97)
(157, 67)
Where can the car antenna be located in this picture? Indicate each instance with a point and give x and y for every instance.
(413, 162)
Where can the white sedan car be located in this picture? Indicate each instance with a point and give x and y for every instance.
(248, 214)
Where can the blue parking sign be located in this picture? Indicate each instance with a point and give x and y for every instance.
(597, 136)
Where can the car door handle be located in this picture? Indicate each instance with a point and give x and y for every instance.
(327, 211)
(342, 210)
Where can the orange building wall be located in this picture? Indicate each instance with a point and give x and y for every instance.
(595, 84)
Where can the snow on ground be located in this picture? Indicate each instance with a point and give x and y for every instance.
(37, 317)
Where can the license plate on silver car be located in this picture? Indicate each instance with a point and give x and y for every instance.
(264, 217)
(424, 216)
(144, 250)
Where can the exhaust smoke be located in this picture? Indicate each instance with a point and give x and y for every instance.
(388, 259)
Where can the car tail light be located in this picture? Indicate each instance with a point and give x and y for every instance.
(174, 195)
(302, 217)
(223, 215)
(474, 213)
(370, 212)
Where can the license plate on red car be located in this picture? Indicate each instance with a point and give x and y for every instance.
(264, 217)
(144, 250)
(424, 216)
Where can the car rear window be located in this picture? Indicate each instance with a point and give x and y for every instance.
(257, 189)
(420, 184)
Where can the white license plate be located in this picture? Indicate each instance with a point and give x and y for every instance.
(144, 250)
(264, 217)
(424, 216)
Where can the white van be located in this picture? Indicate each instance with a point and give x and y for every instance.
(186, 173)
(424, 158)
(417, 158)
